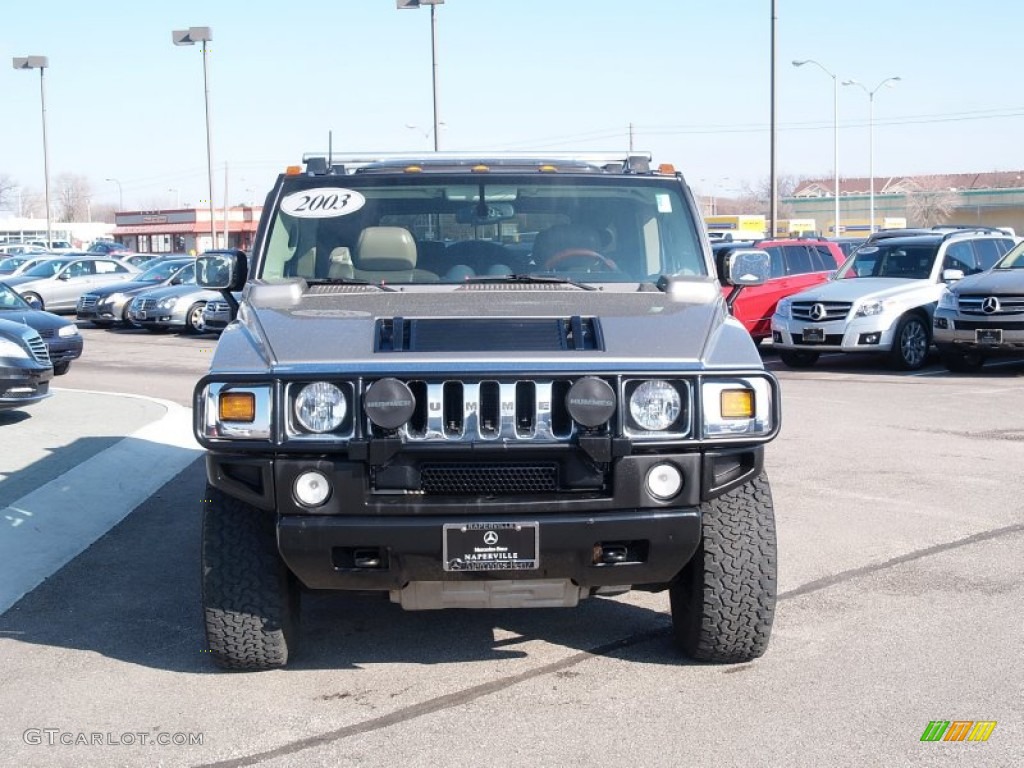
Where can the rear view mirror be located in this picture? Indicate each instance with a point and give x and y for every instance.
(485, 213)
(747, 266)
(222, 270)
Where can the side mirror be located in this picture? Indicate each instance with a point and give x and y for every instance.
(952, 275)
(222, 270)
(63, 276)
(747, 266)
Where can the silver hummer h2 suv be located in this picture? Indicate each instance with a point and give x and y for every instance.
(484, 382)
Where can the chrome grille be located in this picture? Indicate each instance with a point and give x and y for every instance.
(88, 301)
(459, 411)
(833, 310)
(144, 305)
(217, 307)
(38, 348)
(989, 306)
(48, 333)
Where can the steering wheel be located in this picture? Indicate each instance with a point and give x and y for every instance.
(580, 253)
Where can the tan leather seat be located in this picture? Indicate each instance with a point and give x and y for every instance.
(388, 254)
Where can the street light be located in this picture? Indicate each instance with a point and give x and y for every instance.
(191, 36)
(836, 229)
(403, 4)
(41, 63)
(871, 138)
(120, 194)
(177, 196)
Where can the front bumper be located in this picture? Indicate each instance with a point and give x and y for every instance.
(64, 349)
(161, 318)
(861, 334)
(993, 335)
(22, 385)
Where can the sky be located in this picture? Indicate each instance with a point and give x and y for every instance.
(693, 79)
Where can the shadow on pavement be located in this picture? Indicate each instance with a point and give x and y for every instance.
(134, 596)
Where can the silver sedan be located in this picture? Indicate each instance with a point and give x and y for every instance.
(178, 307)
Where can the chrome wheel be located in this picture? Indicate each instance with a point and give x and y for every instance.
(194, 320)
(911, 346)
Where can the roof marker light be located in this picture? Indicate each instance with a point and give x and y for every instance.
(548, 169)
(293, 170)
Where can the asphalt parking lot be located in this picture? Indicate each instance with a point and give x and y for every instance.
(901, 527)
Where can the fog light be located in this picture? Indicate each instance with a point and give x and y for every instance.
(941, 322)
(312, 489)
(664, 481)
(870, 338)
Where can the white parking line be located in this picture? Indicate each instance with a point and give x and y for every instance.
(47, 528)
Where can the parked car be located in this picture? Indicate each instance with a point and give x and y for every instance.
(848, 244)
(19, 249)
(62, 339)
(796, 264)
(142, 260)
(982, 316)
(57, 283)
(25, 369)
(55, 246)
(109, 304)
(883, 298)
(217, 314)
(108, 247)
(172, 307)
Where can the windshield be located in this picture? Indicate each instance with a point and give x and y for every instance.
(10, 300)
(912, 262)
(47, 268)
(161, 272)
(1014, 259)
(408, 230)
(11, 264)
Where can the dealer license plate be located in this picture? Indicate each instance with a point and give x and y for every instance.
(491, 546)
(814, 335)
(988, 336)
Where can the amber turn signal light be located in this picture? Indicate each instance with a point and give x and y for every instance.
(237, 406)
(737, 404)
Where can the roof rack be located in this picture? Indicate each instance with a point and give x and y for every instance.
(318, 163)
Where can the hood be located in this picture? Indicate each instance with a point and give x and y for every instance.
(126, 286)
(857, 288)
(25, 280)
(481, 327)
(34, 318)
(996, 282)
(170, 291)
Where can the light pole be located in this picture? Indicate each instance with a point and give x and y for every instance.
(120, 194)
(836, 228)
(177, 196)
(41, 63)
(191, 36)
(402, 4)
(871, 139)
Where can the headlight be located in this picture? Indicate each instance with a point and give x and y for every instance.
(738, 407)
(869, 308)
(947, 300)
(167, 303)
(784, 309)
(655, 405)
(320, 407)
(113, 298)
(12, 350)
(67, 330)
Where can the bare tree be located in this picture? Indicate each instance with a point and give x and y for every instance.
(931, 202)
(74, 196)
(33, 203)
(7, 187)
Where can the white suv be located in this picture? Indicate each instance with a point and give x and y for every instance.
(883, 297)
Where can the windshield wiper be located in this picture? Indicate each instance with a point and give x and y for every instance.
(527, 278)
(346, 281)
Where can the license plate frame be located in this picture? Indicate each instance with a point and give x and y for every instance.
(491, 546)
(141, 315)
(988, 336)
(813, 336)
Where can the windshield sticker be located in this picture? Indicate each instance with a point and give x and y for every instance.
(322, 203)
(664, 203)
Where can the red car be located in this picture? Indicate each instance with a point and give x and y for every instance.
(797, 264)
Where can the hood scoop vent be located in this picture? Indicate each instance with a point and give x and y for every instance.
(548, 334)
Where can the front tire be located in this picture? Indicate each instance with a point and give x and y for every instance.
(194, 318)
(250, 599)
(34, 300)
(797, 358)
(910, 344)
(723, 601)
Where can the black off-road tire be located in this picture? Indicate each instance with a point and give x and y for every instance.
(962, 361)
(910, 343)
(250, 599)
(723, 601)
(798, 358)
